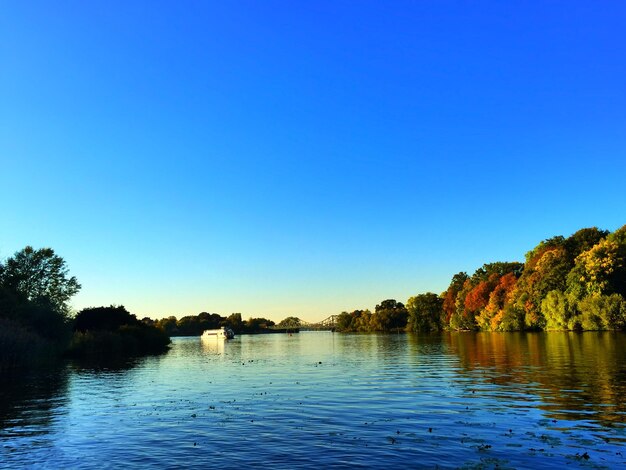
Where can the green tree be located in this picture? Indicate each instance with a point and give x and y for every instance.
(168, 325)
(500, 268)
(389, 315)
(425, 312)
(35, 289)
(189, 325)
(583, 240)
(344, 322)
(106, 332)
(41, 277)
(104, 318)
(603, 312)
(461, 319)
(234, 321)
(209, 321)
(361, 320)
(254, 325)
(512, 318)
(557, 310)
(290, 322)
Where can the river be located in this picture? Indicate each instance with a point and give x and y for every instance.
(321, 399)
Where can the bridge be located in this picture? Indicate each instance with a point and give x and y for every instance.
(328, 324)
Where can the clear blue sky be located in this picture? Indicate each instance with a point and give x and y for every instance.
(303, 158)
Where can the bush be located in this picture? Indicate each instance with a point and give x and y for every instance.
(128, 341)
(20, 346)
(112, 332)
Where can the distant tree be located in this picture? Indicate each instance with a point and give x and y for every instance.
(168, 325)
(344, 322)
(189, 325)
(41, 277)
(357, 320)
(425, 313)
(389, 315)
(290, 322)
(254, 325)
(107, 332)
(209, 321)
(361, 320)
(104, 318)
(234, 322)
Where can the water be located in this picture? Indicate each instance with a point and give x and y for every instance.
(330, 400)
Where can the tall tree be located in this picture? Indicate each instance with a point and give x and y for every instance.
(449, 296)
(41, 277)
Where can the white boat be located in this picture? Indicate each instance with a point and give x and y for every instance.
(220, 333)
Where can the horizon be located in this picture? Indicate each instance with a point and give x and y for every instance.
(303, 160)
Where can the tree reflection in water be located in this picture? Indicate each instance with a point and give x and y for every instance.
(31, 402)
(578, 376)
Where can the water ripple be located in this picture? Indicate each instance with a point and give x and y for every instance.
(322, 399)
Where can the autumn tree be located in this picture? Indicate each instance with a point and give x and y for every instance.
(601, 269)
(490, 318)
(545, 270)
(450, 295)
(473, 298)
(583, 240)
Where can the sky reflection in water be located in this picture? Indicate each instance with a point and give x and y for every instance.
(324, 399)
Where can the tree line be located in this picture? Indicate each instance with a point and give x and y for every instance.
(194, 325)
(575, 283)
